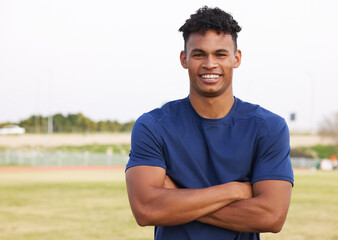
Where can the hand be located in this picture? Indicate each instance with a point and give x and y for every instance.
(243, 189)
(169, 183)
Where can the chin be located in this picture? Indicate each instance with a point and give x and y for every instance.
(211, 94)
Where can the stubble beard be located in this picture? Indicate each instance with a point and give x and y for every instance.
(211, 93)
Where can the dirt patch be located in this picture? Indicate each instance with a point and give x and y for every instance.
(54, 140)
(309, 140)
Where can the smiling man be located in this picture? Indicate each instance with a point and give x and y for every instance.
(210, 166)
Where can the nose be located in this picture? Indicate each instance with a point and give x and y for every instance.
(210, 62)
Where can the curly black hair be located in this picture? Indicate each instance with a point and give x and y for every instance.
(206, 19)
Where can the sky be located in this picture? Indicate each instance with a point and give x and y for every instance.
(114, 60)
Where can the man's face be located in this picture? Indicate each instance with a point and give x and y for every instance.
(210, 60)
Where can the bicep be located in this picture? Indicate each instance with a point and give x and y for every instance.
(140, 180)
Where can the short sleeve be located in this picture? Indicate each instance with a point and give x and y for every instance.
(146, 149)
(273, 153)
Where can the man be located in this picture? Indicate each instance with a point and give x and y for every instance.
(210, 166)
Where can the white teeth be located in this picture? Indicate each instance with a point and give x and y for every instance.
(209, 76)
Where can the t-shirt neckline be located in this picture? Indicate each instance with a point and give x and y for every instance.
(210, 120)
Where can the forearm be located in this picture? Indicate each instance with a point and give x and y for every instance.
(155, 199)
(242, 216)
(265, 212)
(161, 206)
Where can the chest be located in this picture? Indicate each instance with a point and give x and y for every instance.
(201, 155)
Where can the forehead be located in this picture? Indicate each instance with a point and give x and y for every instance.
(209, 41)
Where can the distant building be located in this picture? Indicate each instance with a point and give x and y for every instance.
(12, 129)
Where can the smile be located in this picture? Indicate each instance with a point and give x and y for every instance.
(210, 76)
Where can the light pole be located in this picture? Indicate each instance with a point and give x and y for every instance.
(50, 116)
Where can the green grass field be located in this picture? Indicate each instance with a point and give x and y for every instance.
(72, 205)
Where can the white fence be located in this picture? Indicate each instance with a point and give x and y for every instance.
(59, 158)
(305, 162)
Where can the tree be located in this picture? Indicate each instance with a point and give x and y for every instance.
(108, 126)
(29, 124)
(128, 126)
(6, 124)
(72, 123)
(59, 123)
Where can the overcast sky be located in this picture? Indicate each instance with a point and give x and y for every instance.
(117, 59)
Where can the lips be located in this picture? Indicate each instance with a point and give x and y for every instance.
(210, 78)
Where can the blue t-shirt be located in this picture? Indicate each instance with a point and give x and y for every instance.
(249, 144)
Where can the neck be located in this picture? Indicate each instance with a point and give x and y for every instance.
(212, 107)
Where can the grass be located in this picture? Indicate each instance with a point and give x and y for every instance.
(314, 207)
(53, 205)
(319, 151)
(122, 148)
(66, 205)
(95, 148)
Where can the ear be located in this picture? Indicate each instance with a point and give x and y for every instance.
(183, 58)
(238, 58)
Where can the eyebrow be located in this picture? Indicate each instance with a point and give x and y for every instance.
(197, 50)
(217, 51)
(222, 50)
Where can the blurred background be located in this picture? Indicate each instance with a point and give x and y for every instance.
(115, 60)
(75, 75)
(90, 67)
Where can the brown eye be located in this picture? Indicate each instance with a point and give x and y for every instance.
(198, 56)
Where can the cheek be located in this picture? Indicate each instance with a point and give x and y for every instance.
(228, 66)
(192, 68)
(191, 74)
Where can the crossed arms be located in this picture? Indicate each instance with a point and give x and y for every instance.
(155, 200)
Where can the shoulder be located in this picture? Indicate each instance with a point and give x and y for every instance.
(172, 108)
(261, 116)
(151, 119)
(169, 109)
